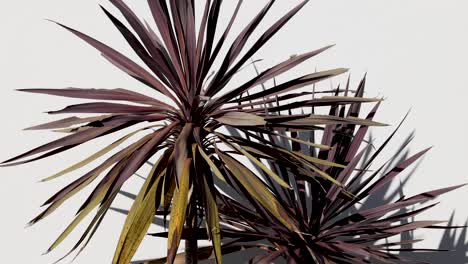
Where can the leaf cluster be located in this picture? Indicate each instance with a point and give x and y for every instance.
(183, 124)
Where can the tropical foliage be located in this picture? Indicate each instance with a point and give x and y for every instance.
(184, 115)
(182, 125)
(336, 226)
(352, 224)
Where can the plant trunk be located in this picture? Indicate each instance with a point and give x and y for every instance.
(191, 243)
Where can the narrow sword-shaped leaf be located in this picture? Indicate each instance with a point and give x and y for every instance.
(70, 140)
(102, 107)
(269, 74)
(117, 94)
(270, 32)
(241, 119)
(262, 166)
(139, 218)
(86, 210)
(236, 48)
(67, 122)
(121, 60)
(213, 166)
(179, 207)
(91, 158)
(325, 101)
(258, 190)
(158, 52)
(212, 220)
(293, 84)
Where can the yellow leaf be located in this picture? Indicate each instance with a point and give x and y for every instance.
(319, 161)
(139, 218)
(259, 191)
(90, 158)
(179, 207)
(211, 164)
(98, 197)
(212, 221)
(91, 178)
(262, 166)
(241, 119)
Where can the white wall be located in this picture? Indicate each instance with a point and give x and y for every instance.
(415, 53)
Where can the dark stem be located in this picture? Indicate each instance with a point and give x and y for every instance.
(191, 243)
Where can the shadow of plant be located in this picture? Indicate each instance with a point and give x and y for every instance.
(454, 241)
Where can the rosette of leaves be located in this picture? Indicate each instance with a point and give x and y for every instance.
(181, 122)
(336, 224)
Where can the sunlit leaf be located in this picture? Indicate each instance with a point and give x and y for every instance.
(180, 202)
(139, 218)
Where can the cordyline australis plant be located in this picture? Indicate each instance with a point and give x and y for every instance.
(352, 224)
(333, 227)
(183, 132)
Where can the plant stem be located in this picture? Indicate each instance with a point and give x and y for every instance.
(191, 243)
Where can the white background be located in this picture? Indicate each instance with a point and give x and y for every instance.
(414, 51)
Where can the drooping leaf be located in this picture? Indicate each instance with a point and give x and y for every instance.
(180, 202)
(91, 158)
(258, 190)
(262, 166)
(139, 218)
(179, 59)
(213, 166)
(212, 217)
